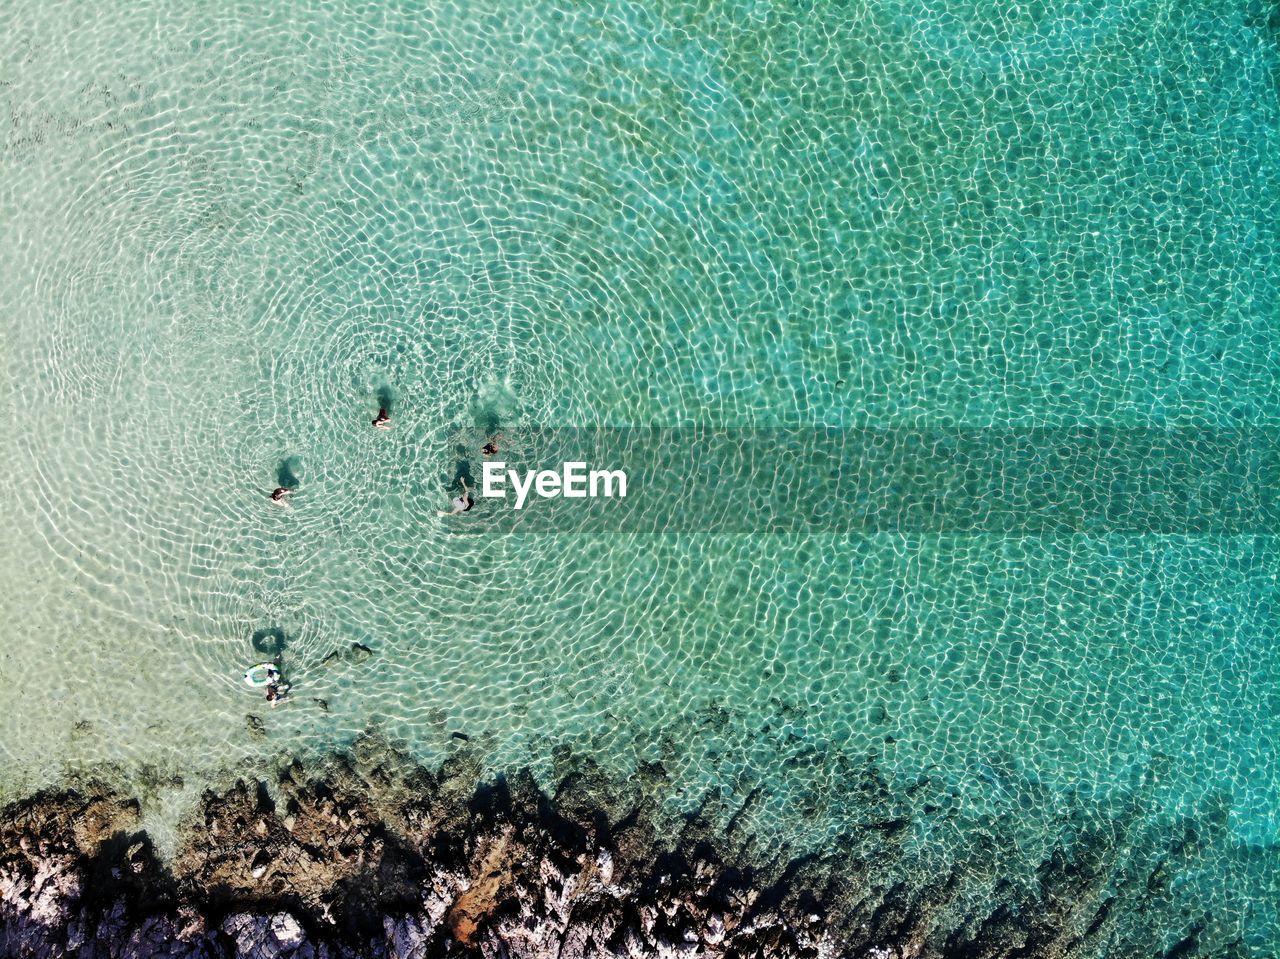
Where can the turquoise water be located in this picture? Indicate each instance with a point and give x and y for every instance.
(225, 231)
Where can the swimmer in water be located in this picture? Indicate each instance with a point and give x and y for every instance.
(383, 420)
(277, 688)
(460, 504)
(277, 691)
(280, 496)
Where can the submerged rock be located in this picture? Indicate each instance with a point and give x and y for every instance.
(356, 653)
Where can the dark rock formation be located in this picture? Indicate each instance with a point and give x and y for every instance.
(371, 855)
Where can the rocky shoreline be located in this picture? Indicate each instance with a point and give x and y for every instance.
(371, 855)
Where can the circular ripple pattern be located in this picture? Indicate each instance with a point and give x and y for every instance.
(231, 234)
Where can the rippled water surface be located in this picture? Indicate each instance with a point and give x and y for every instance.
(227, 232)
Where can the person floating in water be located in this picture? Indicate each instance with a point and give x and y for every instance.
(491, 448)
(281, 495)
(460, 504)
(383, 420)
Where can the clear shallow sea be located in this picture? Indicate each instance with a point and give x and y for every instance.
(225, 230)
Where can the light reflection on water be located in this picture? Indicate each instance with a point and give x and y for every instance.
(230, 238)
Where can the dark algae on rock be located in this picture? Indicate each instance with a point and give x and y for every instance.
(369, 854)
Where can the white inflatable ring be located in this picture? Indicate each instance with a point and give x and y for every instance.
(262, 674)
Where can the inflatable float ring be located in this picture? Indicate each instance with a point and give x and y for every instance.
(262, 674)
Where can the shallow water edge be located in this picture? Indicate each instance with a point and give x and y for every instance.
(369, 853)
